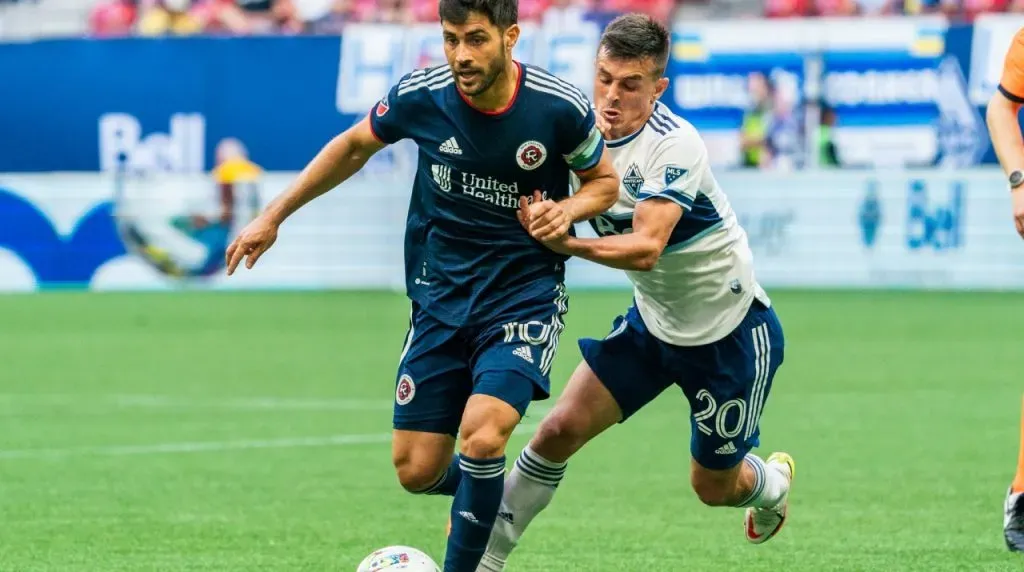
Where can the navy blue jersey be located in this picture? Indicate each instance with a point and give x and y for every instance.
(467, 258)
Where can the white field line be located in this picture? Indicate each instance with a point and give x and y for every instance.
(144, 401)
(247, 403)
(210, 446)
(195, 447)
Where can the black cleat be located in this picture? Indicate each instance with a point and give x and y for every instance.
(1013, 521)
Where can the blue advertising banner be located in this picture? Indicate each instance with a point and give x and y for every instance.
(896, 92)
(74, 105)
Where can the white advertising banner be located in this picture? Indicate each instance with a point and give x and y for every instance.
(926, 229)
(870, 229)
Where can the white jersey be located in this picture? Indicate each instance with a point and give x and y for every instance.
(703, 284)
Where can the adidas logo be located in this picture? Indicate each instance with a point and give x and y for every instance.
(523, 352)
(469, 516)
(451, 146)
(727, 449)
(506, 516)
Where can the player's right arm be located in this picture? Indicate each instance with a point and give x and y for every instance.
(341, 158)
(653, 222)
(1003, 126)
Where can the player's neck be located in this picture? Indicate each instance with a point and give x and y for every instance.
(500, 96)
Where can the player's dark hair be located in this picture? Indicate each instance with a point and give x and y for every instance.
(635, 37)
(501, 13)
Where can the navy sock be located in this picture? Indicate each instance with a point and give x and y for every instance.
(473, 512)
(448, 483)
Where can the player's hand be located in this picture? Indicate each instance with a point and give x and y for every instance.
(601, 124)
(1018, 210)
(256, 238)
(545, 220)
(559, 245)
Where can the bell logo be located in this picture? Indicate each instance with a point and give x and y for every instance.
(180, 151)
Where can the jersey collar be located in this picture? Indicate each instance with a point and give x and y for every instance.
(623, 140)
(511, 101)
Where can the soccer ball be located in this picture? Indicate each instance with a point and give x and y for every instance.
(398, 558)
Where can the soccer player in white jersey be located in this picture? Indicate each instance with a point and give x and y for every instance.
(699, 319)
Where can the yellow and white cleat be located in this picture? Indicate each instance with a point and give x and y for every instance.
(761, 524)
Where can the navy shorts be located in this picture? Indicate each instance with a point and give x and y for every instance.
(726, 382)
(442, 365)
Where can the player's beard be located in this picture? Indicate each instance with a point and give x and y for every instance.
(490, 75)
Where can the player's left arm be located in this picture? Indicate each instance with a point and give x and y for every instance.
(653, 221)
(599, 183)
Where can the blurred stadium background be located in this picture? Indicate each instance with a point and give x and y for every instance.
(155, 415)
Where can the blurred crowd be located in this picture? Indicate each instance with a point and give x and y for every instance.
(773, 134)
(961, 10)
(185, 17)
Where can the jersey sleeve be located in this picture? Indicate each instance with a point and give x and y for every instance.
(584, 143)
(390, 118)
(1011, 83)
(674, 170)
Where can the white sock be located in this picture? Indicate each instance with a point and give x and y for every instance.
(529, 488)
(770, 484)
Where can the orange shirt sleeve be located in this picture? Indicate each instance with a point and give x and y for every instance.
(1011, 83)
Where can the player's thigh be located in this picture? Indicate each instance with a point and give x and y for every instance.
(729, 388)
(630, 363)
(502, 392)
(433, 381)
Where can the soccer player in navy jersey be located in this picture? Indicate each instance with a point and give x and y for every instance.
(487, 299)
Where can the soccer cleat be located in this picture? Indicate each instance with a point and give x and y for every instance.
(1013, 521)
(761, 524)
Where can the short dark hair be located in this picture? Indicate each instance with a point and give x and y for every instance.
(501, 13)
(635, 37)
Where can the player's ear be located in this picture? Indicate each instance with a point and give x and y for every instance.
(511, 36)
(659, 87)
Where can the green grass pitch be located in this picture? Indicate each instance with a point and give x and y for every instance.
(249, 432)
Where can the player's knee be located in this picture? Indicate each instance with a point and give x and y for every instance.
(417, 468)
(561, 434)
(485, 442)
(487, 424)
(416, 475)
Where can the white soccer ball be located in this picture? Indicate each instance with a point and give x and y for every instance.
(398, 558)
